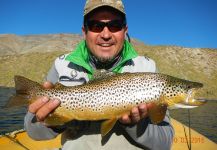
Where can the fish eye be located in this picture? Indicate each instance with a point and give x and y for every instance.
(189, 87)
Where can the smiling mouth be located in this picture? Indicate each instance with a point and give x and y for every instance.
(105, 44)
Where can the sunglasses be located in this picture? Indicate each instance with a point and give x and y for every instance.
(98, 26)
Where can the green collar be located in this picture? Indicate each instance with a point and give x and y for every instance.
(80, 57)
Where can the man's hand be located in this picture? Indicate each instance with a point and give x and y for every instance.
(136, 114)
(43, 106)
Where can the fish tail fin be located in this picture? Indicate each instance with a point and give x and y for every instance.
(23, 87)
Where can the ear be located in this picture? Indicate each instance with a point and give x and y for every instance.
(126, 30)
(84, 32)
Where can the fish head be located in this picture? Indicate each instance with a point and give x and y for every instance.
(182, 94)
(190, 100)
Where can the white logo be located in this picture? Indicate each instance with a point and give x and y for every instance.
(74, 73)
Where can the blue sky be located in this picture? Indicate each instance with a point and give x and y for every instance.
(187, 23)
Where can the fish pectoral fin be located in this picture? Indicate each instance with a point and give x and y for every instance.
(59, 117)
(55, 120)
(107, 125)
(157, 112)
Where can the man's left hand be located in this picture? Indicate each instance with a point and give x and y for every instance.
(136, 114)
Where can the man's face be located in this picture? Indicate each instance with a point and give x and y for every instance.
(105, 45)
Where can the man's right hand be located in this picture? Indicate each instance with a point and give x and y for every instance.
(43, 106)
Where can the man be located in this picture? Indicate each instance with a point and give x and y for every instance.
(104, 47)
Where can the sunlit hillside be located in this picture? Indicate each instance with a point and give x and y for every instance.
(33, 55)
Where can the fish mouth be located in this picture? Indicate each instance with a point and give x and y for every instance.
(195, 85)
(191, 101)
(194, 102)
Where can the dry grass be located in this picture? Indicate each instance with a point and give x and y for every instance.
(191, 64)
(187, 63)
(31, 65)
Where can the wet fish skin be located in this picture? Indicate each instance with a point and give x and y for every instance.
(108, 98)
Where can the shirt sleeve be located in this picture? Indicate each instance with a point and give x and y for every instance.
(52, 75)
(149, 136)
(37, 130)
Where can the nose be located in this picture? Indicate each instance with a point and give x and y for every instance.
(105, 34)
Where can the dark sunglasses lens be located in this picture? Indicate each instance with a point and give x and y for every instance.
(115, 26)
(97, 26)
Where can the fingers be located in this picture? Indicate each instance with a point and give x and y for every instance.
(46, 109)
(143, 110)
(34, 107)
(125, 119)
(47, 85)
(131, 118)
(136, 114)
(43, 107)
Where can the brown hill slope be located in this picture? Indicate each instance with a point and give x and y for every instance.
(11, 44)
(33, 55)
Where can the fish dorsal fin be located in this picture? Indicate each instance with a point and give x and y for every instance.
(101, 74)
(157, 112)
(58, 85)
(107, 125)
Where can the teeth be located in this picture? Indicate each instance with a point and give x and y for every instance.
(105, 45)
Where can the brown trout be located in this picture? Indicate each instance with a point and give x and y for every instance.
(108, 98)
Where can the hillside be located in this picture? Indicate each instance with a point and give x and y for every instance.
(33, 55)
(11, 44)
